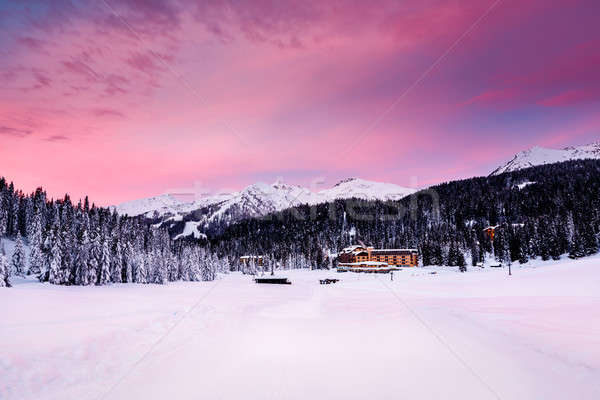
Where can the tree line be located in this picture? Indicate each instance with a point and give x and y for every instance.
(81, 244)
(541, 212)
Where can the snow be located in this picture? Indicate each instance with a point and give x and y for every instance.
(366, 190)
(9, 248)
(163, 204)
(191, 228)
(258, 200)
(167, 205)
(525, 184)
(539, 156)
(477, 335)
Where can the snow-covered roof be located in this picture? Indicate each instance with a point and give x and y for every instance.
(351, 248)
(491, 227)
(248, 257)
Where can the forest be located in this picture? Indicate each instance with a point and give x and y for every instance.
(81, 244)
(540, 212)
(545, 211)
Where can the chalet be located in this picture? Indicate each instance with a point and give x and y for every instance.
(246, 260)
(369, 259)
(490, 231)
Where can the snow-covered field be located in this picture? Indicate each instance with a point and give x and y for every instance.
(478, 335)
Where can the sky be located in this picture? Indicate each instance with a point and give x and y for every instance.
(128, 99)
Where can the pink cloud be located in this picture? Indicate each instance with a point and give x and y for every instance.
(255, 89)
(497, 97)
(572, 97)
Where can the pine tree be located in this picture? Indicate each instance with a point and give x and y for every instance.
(4, 274)
(82, 274)
(36, 259)
(474, 253)
(161, 268)
(55, 270)
(141, 273)
(18, 257)
(460, 260)
(128, 261)
(590, 241)
(104, 265)
(3, 217)
(4, 268)
(94, 259)
(116, 269)
(576, 248)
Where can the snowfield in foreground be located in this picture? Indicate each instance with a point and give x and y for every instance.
(478, 335)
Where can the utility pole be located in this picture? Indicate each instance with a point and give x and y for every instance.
(509, 270)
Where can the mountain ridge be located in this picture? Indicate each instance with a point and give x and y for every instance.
(538, 155)
(256, 200)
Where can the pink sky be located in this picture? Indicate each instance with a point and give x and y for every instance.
(128, 99)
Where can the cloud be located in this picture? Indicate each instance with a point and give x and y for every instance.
(42, 80)
(144, 62)
(15, 132)
(107, 112)
(495, 97)
(81, 68)
(572, 97)
(56, 138)
(32, 43)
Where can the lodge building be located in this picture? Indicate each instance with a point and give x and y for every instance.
(257, 260)
(369, 259)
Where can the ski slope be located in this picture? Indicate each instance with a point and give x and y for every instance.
(478, 335)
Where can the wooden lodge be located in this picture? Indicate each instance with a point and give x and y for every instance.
(369, 259)
(490, 231)
(246, 260)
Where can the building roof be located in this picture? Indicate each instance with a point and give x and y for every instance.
(350, 249)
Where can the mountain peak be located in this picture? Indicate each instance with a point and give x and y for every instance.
(346, 180)
(538, 155)
(255, 200)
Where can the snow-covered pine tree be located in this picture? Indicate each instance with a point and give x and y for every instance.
(94, 258)
(36, 242)
(56, 275)
(460, 261)
(82, 260)
(4, 268)
(208, 267)
(172, 267)
(116, 265)
(104, 265)
(18, 257)
(128, 261)
(474, 252)
(140, 274)
(3, 217)
(590, 241)
(576, 248)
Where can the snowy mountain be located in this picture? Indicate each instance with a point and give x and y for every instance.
(163, 204)
(366, 190)
(259, 199)
(540, 155)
